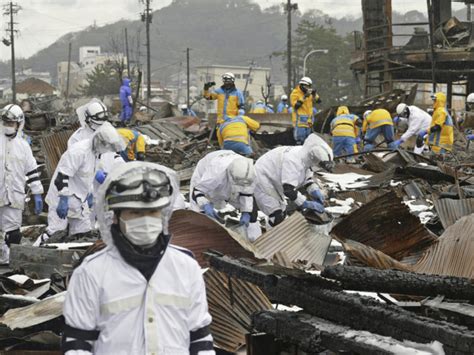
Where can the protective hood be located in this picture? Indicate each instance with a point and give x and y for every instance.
(81, 111)
(105, 216)
(440, 101)
(21, 124)
(126, 81)
(317, 153)
(107, 139)
(241, 175)
(342, 110)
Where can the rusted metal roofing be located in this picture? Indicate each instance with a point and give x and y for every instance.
(294, 240)
(387, 225)
(163, 131)
(199, 233)
(54, 145)
(450, 210)
(231, 303)
(452, 255)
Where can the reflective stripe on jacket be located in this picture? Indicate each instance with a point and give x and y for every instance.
(378, 117)
(236, 129)
(303, 117)
(344, 126)
(228, 101)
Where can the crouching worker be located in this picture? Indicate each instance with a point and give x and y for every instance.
(344, 132)
(139, 295)
(233, 133)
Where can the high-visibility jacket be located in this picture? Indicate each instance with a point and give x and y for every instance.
(344, 126)
(236, 129)
(377, 118)
(283, 107)
(135, 142)
(303, 117)
(443, 139)
(259, 108)
(228, 101)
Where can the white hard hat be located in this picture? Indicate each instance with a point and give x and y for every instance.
(184, 107)
(284, 97)
(242, 172)
(320, 156)
(470, 98)
(12, 113)
(142, 109)
(241, 112)
(228, 76)
(402, 110)
(96, 113)
(107, 139)
(306, 81)
(260, 102)
(366, 113)
(143, 187)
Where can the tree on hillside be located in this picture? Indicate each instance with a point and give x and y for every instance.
(330, 72)
(103, 80)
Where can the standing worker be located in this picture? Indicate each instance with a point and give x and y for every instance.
(282, 171)
(441, 131)
(127, 102)
(301, 100)
(345, 133)
(91, 116)
(229, 98)
(283, 106)
(233, 134)
(135, 142)
(377, 122)
(18, 168)
(418, 121)
(141, 294)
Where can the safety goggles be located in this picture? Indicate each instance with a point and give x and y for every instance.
(433, 97)
(8, 116)
(99, 116)
(327, 165)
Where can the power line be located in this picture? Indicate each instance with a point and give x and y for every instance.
(10, 10)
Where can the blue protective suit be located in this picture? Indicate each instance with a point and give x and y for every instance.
(283, 107)
(126, 100)
(188, 112)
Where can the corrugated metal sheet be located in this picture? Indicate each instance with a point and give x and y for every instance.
(360, 196)
(199, 233)
(54, 145)
(387, 225)
(370, 257)
(231, 302)
(296, 239)
(450, 210)
(163, 131)
(453, 254)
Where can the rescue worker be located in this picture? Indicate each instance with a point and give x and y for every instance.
(91, 116)
(70, 193)
(141, 294)
(185, 111)
(229, 98)
(135, 142)
(259, 107)
(284, 170)
(18, 168)
(470, 113)
(441, 131)
(345, 133)
(301, 100)
(233, 133)
(270, 108)
(283, 106)
(418, 120)
(127, 102)
(224, 176)
(376, 122)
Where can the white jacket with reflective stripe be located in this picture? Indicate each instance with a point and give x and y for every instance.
(17, 168)
(135, 316)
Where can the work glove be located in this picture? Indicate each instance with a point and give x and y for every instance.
(313, 205)
(397, 143)
(63, 207)
(90, 200)
(470, 137)
(317, 195)
(313, 92)
(357, 140)
(209, 211)
(100, 176)
(396, 119)
(245, 219)
(208, 85)
(38, 204)
(141, 156)
(422, 133)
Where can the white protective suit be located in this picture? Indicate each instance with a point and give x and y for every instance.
(79, 163)
(286, 165)
(167, 315)
(85, 131)
(210, 177)
(418, 121)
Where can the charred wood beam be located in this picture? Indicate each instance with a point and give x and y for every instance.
(358, 312)
(400, 282)
(314, 335)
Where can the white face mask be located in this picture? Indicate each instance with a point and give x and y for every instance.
(142, 231)
(9, 131)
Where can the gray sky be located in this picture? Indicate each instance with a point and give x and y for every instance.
(41, 22)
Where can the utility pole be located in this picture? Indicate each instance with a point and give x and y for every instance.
(127, 54)
(469, 13)
(68, 73)
(146, 17)
(12, 9)
(289, 7)
(187, 77)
